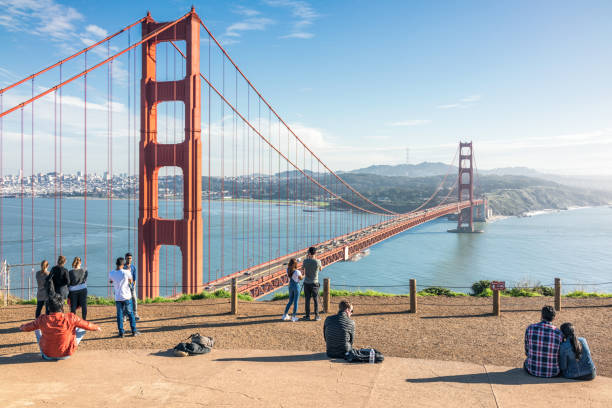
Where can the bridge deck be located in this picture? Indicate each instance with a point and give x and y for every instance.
(265, 278)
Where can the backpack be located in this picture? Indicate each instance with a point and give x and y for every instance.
(363, 356)
(198, 345)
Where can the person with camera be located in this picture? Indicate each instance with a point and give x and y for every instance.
(312, 267)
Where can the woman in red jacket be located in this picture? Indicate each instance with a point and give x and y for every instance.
(58, 333)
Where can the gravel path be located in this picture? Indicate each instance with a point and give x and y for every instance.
(444, 329)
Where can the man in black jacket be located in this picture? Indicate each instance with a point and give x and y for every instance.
(339, 331)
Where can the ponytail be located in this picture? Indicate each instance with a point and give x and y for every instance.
(568, 332)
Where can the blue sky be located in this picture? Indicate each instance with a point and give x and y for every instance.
(361, 81)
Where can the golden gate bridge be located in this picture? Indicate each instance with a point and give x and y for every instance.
(211, 132)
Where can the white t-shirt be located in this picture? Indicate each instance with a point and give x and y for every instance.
(296, 275)
(120, 279)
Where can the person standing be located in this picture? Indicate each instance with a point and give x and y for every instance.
(121, 279)
(58, 334)
(42, 295)
(78, 288)
(130, 266)
(542, 342)
(312, 266)
(295, 276)
(574, 356)
(58, 279)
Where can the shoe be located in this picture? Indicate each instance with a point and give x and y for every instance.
(136, 333)
(305, 318)
(317, 318)
(285, 317)
(125, 319)
(294, 319)
(120, 335)
(137, 318)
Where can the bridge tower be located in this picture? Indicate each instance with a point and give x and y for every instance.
(465, 222)
(186, 233)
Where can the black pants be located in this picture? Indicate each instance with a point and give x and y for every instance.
(39, 306)
(311, 290)
(78, 298)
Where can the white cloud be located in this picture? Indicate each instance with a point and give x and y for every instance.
(250, 24)
(450, 106)
(412, 122)
(41, 17)
(472, 98)
(246, 11)
(96, 31)
(303, 13)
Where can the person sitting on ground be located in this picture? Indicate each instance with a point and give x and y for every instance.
(41, 294)
(78, 288)
(58, 279)
(295, 276)
(339, 331)
(542, 342)
(312, 266)
(58, 334)
(121, 279)
(574, 356)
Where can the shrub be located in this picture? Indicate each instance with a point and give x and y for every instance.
(583, 294)
(521, 292)
(439, 291)
(486, 292)
(481, 286)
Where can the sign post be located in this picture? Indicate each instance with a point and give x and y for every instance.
(496, 287)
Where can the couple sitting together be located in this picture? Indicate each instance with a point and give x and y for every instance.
(552, 352)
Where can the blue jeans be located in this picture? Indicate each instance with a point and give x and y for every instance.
(79, 336)
(127, 304)
(294, 296)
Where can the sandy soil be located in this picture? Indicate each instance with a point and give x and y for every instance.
(458, 329)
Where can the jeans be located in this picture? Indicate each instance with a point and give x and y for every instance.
(78, 298)
(134, 301)
(127, 304)
(311, 290)
(79, 336)
(39, 306)
(294, 296)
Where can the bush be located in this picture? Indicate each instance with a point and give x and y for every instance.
(439, 291)
(583, 294)
(481, 286)
(486, 292)
(521, 292)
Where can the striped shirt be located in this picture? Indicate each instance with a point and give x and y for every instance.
(339, 333)
(542, 341)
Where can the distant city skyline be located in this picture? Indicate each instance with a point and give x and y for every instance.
(527, 82)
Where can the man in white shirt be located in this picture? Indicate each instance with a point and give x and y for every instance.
(121, 279)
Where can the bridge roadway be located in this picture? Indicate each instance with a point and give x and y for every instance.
(265, 278)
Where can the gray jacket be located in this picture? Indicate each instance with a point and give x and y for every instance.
(339, 333)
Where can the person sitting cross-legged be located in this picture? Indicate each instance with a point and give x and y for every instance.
(339, 331)
(58, 334)
(542, 342)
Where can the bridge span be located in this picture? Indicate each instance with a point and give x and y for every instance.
(266, 278)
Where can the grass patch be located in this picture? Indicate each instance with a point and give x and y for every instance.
(27, 302)
(583, 294)
(439, 291)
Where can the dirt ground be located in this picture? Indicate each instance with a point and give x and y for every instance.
(459, 329)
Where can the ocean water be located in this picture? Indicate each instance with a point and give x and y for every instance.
(572, 245)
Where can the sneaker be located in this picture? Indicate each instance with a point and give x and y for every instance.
(125, 319)
(317, 318)
(285, 317)
(136, 333)
(120, 335)
(294, 319)
(137, 318)
(305, 318)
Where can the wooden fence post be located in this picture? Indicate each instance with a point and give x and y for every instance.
(234, 296)
(557, 294)
(326, 295)
(496, 303)
(413, 296)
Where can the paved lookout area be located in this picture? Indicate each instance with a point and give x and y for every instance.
(253, 378)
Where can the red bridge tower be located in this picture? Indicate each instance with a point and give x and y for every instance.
(153, 231)
(466, 187)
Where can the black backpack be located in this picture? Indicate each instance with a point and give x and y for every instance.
(363, 356)
(198, 345)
